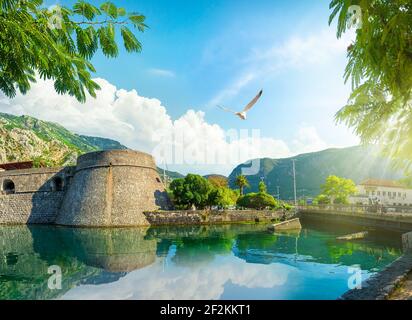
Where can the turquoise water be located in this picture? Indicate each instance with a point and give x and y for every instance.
(200, 262)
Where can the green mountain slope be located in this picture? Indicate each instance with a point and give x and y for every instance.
(356, 163)
(104, 143)
(46, 143)
(49, 144)
(170, 174)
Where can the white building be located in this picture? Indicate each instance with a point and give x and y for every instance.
(384, 192)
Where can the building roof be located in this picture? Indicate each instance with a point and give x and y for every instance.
(382, 183)
(17, 165)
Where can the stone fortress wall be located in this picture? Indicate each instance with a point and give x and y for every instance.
(105, 188)
(32, 195)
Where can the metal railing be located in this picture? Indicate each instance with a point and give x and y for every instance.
(378, 209)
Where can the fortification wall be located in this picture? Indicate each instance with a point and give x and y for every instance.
(32, 195)
(113, 188)
(30, 207)
(36, 179)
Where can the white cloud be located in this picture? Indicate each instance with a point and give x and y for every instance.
(200, 282)
(189, 143)
(296, 52)
(308, 140)
(162, 72)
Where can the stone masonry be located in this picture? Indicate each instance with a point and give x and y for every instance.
(200, 217)
(105, 188)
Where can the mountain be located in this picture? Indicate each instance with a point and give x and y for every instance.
(104, 143)
(46, 143)
(356, 163)
(218, 176)
(24, 138)
(170, 174)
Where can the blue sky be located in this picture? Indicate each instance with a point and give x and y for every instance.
(197, 54)
(206, 44)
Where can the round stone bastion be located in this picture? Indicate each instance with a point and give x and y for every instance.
(111, 189)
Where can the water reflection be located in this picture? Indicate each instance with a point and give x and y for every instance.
(197, 262)
(84, 255)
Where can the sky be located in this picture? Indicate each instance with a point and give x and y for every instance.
(200, 54)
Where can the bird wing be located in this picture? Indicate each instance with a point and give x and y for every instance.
(226, 109)
(254, 100)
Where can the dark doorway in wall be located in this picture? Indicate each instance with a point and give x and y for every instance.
(57, 184)
(8, 186)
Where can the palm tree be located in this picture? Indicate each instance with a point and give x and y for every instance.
(242, 182)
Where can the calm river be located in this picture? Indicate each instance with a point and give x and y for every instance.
(199, 262)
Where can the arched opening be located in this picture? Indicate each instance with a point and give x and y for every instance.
(57, 184)
(8, 186)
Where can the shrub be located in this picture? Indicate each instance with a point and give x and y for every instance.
(257, 201)
(223, 197)
(322, 199)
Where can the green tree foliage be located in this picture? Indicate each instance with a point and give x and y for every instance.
(337, 190)
(242, 182)
(380, 68)
(257, 201)
(218, 181)
(285, 206)
(193, 190)
(321, 199)
(223, 197)
(262, 187)
(59, 43)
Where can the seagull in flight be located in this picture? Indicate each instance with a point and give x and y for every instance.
(242, 114)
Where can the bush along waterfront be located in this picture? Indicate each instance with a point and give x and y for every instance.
(199, 193)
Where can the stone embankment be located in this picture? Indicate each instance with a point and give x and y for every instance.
(383, 284)
(390, 283)
(198, 217)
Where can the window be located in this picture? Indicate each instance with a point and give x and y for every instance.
(399, 194)
(379, 193)
(57, 184)
(8, 186)
(384, 193)
(389, 193)
(373, 193)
